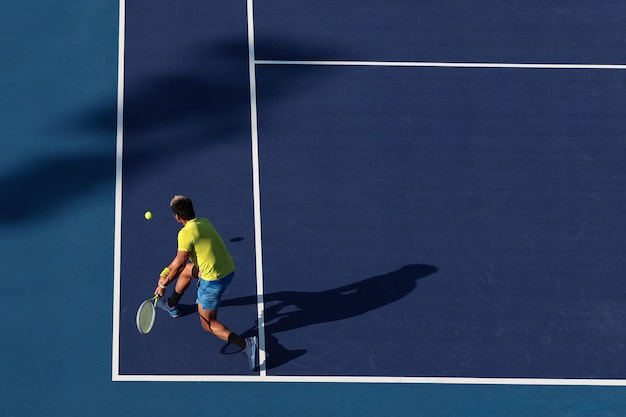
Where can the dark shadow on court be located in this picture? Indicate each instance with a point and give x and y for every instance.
(288, 310)
(198, 102)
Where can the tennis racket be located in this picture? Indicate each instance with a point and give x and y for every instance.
(146, 314)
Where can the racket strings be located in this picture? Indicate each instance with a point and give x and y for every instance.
(145, 317)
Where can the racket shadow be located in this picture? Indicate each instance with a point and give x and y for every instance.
(289, 310)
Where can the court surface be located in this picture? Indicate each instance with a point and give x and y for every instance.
(424, 203)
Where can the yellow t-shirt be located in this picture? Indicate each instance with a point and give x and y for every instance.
(206, 249)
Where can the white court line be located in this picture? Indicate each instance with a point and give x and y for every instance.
(443, 64)
(118, 189)
(374, 380)
(256, 190)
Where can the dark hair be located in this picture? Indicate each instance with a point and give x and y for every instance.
(182, 207)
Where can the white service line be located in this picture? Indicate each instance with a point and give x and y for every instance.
(443, 64)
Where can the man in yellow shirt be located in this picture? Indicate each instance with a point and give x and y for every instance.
(212, 264)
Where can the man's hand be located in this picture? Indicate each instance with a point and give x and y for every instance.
(159, 291)
(170, 273)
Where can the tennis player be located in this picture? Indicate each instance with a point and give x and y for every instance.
(201, 254)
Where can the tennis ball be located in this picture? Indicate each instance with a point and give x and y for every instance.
(148, 215)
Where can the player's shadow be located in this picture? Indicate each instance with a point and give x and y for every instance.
(288, 310)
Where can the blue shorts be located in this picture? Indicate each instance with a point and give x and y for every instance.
(210, 292)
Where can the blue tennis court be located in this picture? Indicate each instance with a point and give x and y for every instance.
(424, 203)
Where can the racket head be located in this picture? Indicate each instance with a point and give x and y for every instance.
(146, 313)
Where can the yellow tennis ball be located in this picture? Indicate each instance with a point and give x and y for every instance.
(148, 215)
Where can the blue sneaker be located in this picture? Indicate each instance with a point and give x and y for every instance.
(162, 304)
(251, 351)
